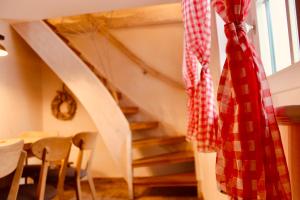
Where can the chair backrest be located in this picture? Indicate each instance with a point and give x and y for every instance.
(85, 141)
(49, 150)
(12, 158)
(10, 151)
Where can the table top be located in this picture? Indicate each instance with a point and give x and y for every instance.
(28, 140)
(5, 142)
(28, 137)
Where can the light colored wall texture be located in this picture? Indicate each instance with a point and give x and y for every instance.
(20, 89)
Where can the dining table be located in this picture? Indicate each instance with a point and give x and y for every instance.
(29, 138)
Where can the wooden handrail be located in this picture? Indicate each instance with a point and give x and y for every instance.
(135, 59)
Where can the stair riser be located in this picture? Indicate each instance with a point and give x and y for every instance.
(163, 162)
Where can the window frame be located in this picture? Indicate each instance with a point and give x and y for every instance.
(298, 17)
(254, 34)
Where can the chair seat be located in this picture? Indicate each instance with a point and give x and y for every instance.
(28, 192)
(33, 172)
(71, 173)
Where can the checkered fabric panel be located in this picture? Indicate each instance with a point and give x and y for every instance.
(250, 158)
(202, 125)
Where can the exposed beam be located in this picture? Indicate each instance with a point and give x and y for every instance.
(153, 15)
(135, 59)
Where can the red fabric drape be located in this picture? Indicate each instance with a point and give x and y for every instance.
(250, 158)
(202, 125)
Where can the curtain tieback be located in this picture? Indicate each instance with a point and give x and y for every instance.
(234, 29)
(237, 40)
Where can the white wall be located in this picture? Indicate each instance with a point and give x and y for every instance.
(20, 88)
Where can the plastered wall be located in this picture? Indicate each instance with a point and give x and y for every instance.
(20, 89)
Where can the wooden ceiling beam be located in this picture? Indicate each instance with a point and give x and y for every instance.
(154, 15)
(145, 16)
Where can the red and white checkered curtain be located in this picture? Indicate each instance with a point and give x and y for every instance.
(250, 159)
(202, 125)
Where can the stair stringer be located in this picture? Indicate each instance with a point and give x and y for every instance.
(93, 95)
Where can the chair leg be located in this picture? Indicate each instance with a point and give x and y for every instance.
(78, 189)
(92, 186)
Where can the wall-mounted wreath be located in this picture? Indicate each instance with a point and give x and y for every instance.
(63, 105)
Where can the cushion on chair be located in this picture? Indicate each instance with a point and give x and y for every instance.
(28, 192)
(32, 171)
(70, 173)
(4, 193)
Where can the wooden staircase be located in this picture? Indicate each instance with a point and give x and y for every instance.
(186, 179)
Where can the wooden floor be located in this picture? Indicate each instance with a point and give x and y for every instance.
(116, 189)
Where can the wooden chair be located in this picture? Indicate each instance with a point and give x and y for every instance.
(86, 142)
(12, 159)
(33, 135)
(48, 150)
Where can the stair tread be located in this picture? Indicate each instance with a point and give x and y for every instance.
(174, 157)
(158, 141)
(181, 179)
(129, 110)
(144, 125)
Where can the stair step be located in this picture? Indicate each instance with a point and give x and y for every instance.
(117, 93)
(130, 110)
(158, 141)
(168, 158)
(182, 179)
(140, 126)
